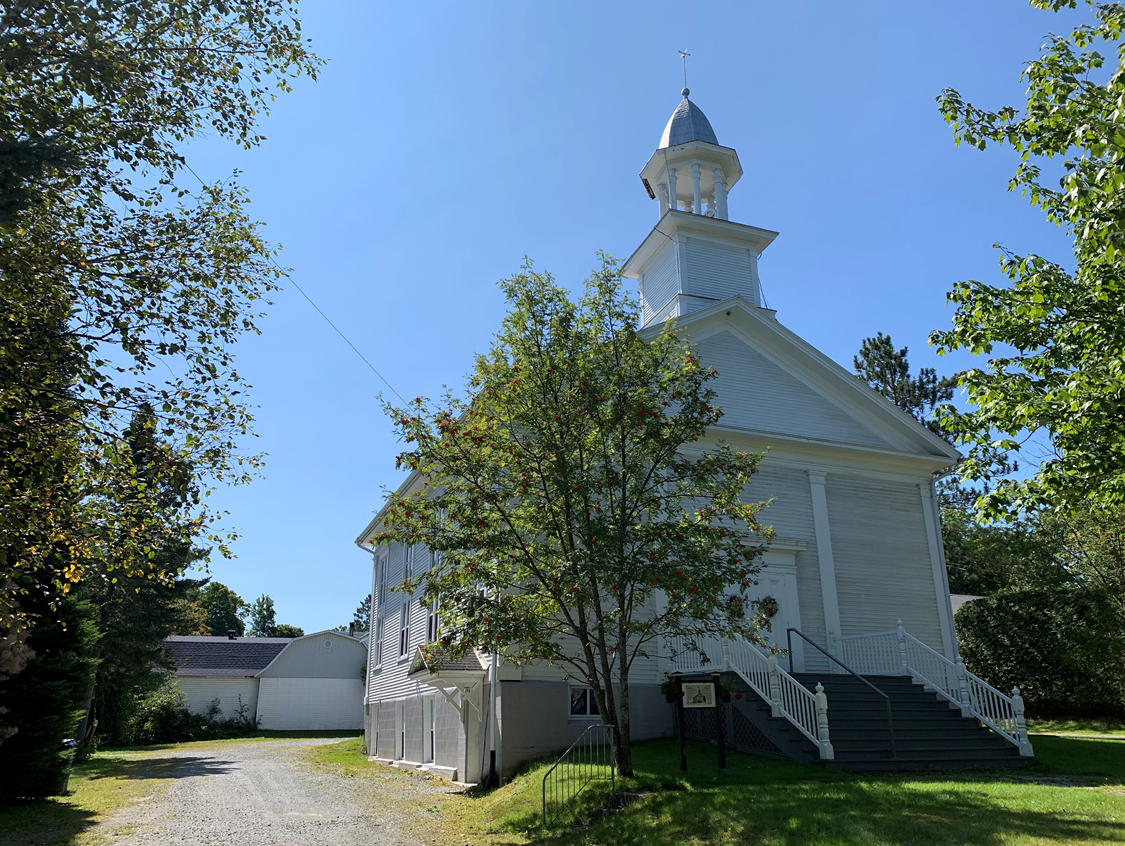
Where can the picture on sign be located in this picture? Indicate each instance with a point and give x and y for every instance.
(699, 694)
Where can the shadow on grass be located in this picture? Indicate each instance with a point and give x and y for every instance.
(97, 786)
(183, 766)
(775, 802)
(330, 734)
(51, 822)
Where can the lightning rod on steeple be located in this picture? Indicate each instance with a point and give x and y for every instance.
(684, 55)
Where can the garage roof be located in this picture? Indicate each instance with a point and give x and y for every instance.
(221, 656)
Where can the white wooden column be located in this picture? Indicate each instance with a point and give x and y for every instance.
(672, 188)
(937, 565)
(697, 206)
(662, 192)
(824, 557)
(720, 195)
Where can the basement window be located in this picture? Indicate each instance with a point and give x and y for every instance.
(583, 705)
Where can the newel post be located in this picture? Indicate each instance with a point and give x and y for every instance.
(775, 686)
(822, 723)
(903, 664)
(1021, 724)
(963, 687)
(725, 645)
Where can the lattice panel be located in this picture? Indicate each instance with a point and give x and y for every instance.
(708, 724)
(749, 735)
(691, 721)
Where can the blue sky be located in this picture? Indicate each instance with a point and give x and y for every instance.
(444, 141)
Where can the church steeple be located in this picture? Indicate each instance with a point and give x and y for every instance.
(694, 256)
(690, 168)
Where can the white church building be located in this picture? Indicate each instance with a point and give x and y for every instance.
(856, 567)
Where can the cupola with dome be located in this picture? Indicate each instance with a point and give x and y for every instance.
(694, 255)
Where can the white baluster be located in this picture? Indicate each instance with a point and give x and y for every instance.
(775, 687)
(963, 688)
(822, 723)
(904, 667)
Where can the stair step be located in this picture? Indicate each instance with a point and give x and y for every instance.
(925, 754)
(906, 765)
(922, 743)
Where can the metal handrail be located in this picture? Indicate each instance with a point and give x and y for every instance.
(890, 720)
(587, 766)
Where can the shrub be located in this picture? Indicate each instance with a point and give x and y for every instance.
(161, 716)
(1061, 645)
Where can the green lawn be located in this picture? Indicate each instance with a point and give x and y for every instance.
(1087, 726)
(97, 787)
(1074, 795)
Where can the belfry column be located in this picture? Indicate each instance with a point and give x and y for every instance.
(697, 207)
(662, 192)
(672, 188)
(720, 195)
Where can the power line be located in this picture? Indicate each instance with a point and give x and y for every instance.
(319, 311)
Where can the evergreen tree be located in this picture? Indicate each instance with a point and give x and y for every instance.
(45, 700)
(887, 370)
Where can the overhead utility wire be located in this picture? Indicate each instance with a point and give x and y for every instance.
(327, 320)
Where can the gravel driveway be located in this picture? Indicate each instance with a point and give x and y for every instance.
(259, 794)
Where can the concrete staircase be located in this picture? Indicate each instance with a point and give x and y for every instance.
(930, 734)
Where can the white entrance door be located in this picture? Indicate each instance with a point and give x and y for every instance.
(778, 581)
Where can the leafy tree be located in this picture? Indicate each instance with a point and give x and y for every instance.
(263, 621)
(225, 609)
(1055, 337)
(286, 630)
(112, 268)
(887, 370)
(577, 514)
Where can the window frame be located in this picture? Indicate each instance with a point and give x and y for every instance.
(404, 630)
(589, 700)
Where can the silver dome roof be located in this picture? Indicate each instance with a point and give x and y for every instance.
(688, 123)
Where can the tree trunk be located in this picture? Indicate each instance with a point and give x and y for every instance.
(623, 751)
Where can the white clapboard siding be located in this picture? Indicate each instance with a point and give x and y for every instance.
(387, 678)
(791, 517)
(883, 569)
(201, 692)
(757, 394)
(661, 282)
(310, 704)
(718, 271)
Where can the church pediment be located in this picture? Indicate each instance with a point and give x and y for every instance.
(773, 382)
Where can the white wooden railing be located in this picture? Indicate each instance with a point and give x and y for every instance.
(787, 697)
(897, 652)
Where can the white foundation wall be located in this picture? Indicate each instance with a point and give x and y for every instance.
(200, 692)
(303, 704)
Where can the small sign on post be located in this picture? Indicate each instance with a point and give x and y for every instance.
(699, 694)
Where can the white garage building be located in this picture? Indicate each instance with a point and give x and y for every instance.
(295, 684)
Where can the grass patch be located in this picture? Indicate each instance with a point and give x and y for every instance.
(1074, 795)
(1088, 726)
(97, 787)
